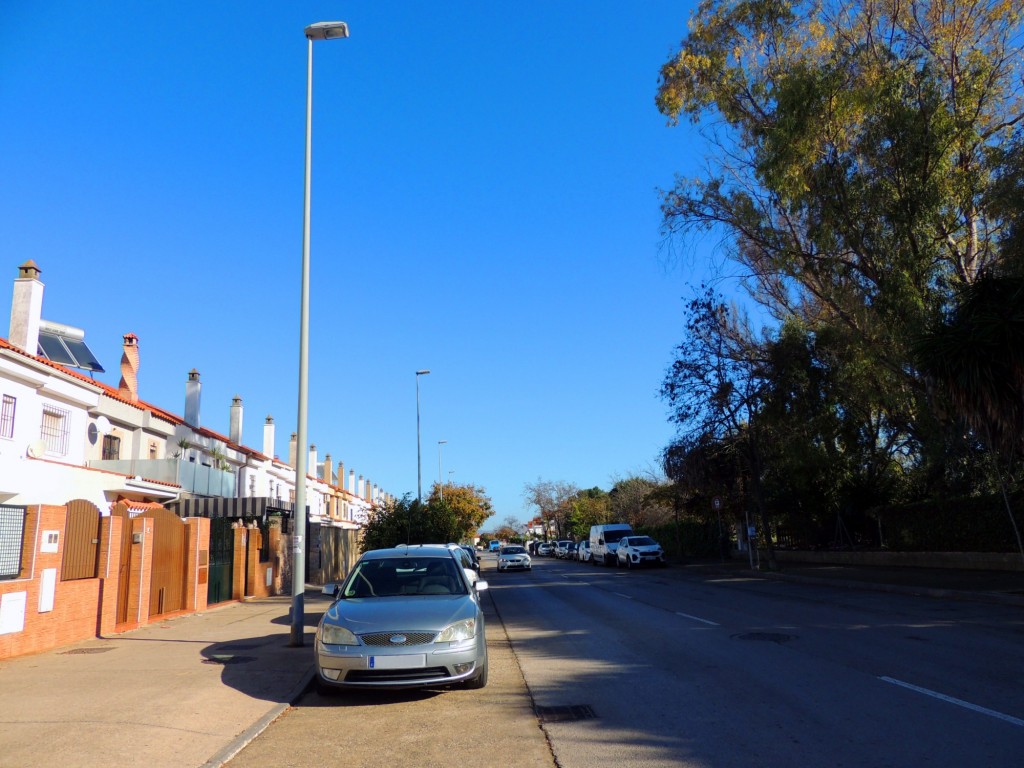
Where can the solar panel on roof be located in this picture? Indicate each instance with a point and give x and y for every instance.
(65, 350)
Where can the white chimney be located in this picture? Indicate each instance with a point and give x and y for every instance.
(26, 309)
(268, 437)
(235, 428)
(352, 481)
(311, 466)
(193, 389)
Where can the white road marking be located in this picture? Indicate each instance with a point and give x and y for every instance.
(622, 595)
(696, 618)
(958, 702)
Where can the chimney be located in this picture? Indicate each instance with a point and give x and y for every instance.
(193, 388)
(311, 467)
(235, 428)
(291, 449)
(341, 475)
(129, 387)
(328, 469)
(352, 481)
(26, 309)
(268, 437)
(360, 486)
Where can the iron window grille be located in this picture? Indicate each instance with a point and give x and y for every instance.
(55, 429)
(12, 532)
(7, 416)
(111, 448)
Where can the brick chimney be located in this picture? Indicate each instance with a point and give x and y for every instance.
(291, 449)
(26, 309)
(129, 386)
(193, 389)
(328, 469)
(268, 437)
(235, 428)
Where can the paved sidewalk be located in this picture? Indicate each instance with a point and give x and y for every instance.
(188, 691)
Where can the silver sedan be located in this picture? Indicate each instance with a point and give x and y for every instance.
(407, 617)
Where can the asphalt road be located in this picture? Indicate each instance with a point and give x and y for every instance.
(661, 668)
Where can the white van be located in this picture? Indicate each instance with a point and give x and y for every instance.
(604, 541)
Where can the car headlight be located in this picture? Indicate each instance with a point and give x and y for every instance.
(331, 634)
(460, 630)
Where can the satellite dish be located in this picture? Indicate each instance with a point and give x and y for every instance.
(103, 425)
(37, 449)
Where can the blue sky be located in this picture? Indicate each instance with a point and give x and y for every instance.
(485, 205)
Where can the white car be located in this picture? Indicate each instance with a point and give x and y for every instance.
(583, 551)
(634, 551)
(514, 558)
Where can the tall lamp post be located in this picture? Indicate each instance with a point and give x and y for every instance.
(440, 485)
(419, 453)
(323, 30)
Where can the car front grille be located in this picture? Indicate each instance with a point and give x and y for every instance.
(383, 639)
(396, 675)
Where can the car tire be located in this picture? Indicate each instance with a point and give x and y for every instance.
(322, 688)
(477, 682)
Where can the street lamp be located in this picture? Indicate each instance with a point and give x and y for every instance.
(440, 486)
(324, 30)
(419, 462)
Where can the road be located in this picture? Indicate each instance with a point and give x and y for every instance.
(659, 668)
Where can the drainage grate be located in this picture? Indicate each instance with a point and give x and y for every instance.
(227, 658)
(565, 714)
(80, 651)
(771, 637)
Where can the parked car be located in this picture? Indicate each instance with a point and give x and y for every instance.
(514, 557)
(545, 549)
(406, 617)
(494, 546)
(583, 551)
(604, 540)
(471, 551)
(570, 551)
(634, 551)
(562, 547)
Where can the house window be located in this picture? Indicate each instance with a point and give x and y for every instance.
(7, 416)
(111, 448)
(55, 428)
(12, 529)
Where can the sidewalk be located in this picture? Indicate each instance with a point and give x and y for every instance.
(192, 691)
(188, 691)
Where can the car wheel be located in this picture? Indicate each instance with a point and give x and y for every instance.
(629, 563)
(322, 688)
(479, 681)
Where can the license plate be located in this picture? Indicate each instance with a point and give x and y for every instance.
(411, 661)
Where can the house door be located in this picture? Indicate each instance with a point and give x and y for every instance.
(222, 558)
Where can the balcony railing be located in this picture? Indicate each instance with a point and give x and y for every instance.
(194, 478)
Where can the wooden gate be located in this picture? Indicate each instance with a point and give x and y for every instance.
(167, 578)
(222, 560)
(124, 561)
(81, 541)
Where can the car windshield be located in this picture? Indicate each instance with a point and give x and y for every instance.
(612, 536)
(408, 576)
(513, 551)
(642, 541)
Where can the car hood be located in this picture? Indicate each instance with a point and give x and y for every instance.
(646, 547)
(392, 614)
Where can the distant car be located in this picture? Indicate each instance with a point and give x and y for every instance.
(494, 546)
(545, 549)
(570, 551)
(634, 551)
(514, 557)
(562, 547)
(471, 551)
(406, 617)
(583, 551)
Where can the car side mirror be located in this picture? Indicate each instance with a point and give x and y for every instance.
(331, 588)
(480, 586)
(600, 541)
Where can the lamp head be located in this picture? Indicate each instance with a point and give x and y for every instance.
(327, 30)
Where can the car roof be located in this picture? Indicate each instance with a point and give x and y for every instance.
(405, 550)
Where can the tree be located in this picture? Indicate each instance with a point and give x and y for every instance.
(553, 501)
(469, 505)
